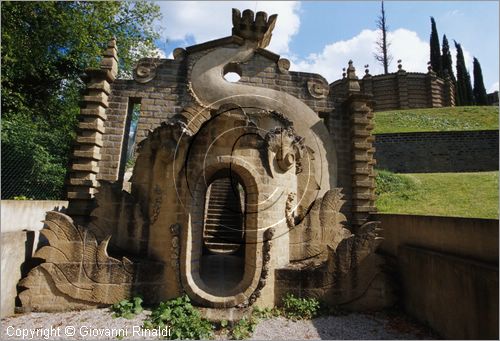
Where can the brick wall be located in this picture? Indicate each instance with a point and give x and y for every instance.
(430, 152)
(403, 90)
(167, 94)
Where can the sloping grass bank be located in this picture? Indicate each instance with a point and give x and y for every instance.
(437, 119)
(473, 195)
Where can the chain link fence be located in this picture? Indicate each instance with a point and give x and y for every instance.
(30, 175)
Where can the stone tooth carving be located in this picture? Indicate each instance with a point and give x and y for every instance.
(145, 70)
(258, 29)
(318, 88)
(78, 266)
(179, 53)
(283, 65)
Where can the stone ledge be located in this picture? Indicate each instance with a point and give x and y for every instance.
(87, 167)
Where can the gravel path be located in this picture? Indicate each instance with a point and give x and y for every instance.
(98, 323)
(349, 327)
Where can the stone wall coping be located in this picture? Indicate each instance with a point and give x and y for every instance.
(444, 218)
(27, 214)
(473, 238)
(429, 133)
(215, 43)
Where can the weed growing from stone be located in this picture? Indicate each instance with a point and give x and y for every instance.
(184, 320)
(127, 308)
(295, 308)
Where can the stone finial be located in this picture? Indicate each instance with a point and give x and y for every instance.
(352, 79)
(343, 73)
(429, 66)
(400, 65)
(256, 28)
(367, 71)
(110, 59)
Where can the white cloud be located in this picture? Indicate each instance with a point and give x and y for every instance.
(454, 13)
(207, 20)
(405, 45)
(493, 87)
(160, 53)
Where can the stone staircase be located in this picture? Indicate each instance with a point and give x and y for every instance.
(224, 231)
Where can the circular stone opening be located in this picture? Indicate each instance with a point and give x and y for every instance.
(232, 77)
(232, 72)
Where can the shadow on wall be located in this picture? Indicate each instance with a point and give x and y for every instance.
(449, 271)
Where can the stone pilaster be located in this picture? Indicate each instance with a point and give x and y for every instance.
(402, 88)
(367, 84)
(449, 92)
(82, 180)
(433, 91)
(362, 151)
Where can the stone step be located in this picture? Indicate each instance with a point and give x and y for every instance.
(224, 218)
(209, 240)
(223, 246)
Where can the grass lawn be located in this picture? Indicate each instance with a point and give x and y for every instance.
(437, 119)
(472, 195)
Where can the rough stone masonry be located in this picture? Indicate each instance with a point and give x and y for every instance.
(241, 191)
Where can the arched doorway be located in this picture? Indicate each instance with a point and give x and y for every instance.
(238, 274)
(222, 261)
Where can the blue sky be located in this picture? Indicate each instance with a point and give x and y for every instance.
(321, 36)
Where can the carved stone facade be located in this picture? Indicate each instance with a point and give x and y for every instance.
(272, 172)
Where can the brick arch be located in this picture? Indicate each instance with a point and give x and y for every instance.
(192, 238)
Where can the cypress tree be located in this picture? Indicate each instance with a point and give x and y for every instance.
(447, 65)
(446, 61)
(480, 97)
(464, 86)
(435, 50)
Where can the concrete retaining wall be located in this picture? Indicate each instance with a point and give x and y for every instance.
(18, 215)
(449, 271)
(432, 152)
(21, 223)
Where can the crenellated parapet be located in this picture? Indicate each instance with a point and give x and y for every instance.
(82, 181)
(257, 28)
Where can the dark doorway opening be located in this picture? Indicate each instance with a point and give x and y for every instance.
(222, 263)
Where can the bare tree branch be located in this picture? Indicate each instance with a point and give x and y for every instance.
(382, 52)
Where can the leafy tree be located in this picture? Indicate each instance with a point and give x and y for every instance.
(46, 46)
(435, 50)
(464, 86)
(480, 96)
(382, 55)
